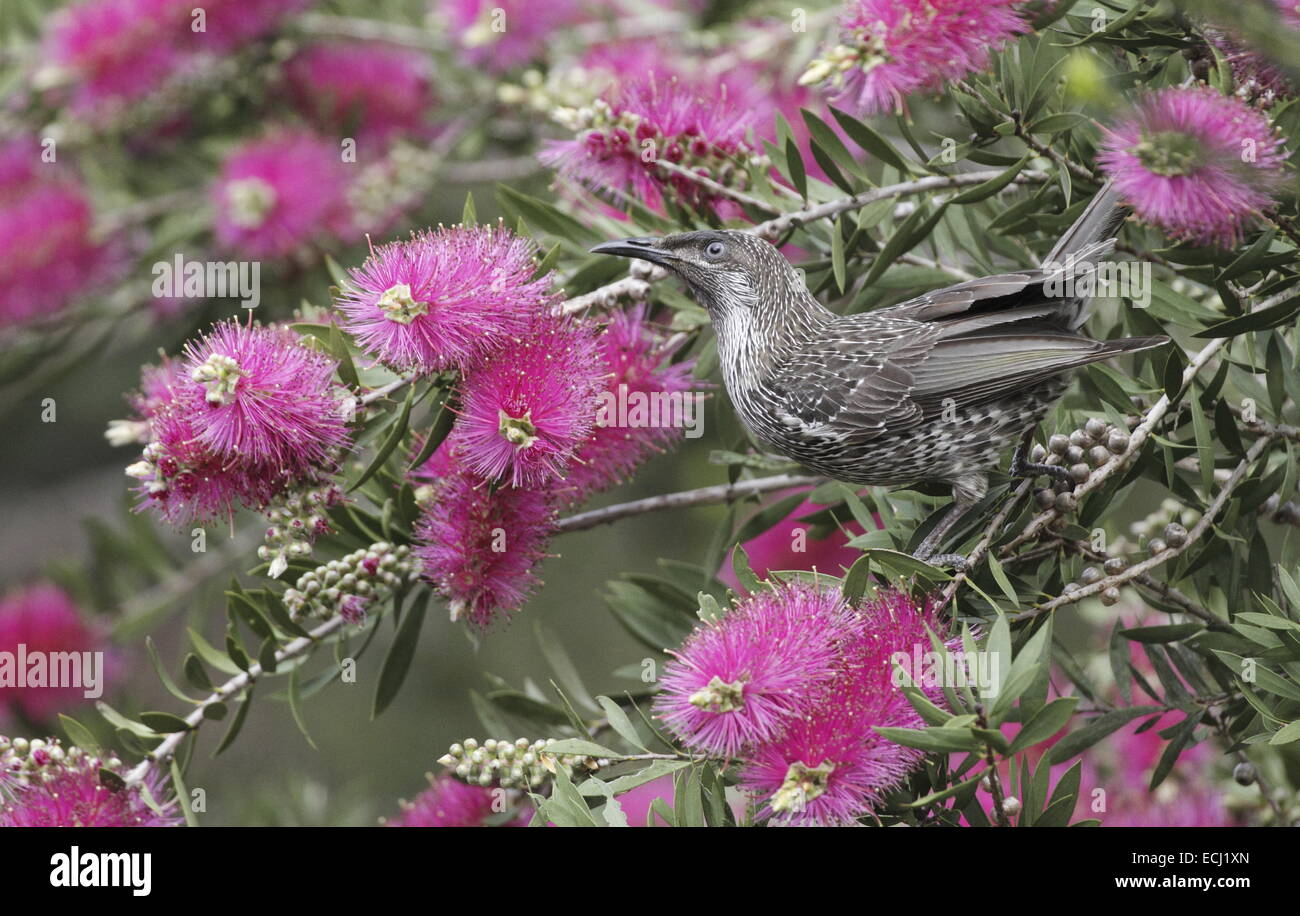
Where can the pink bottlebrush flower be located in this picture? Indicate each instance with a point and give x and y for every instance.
(50, 254)
(504, 35)
(743, 680)
(371, 91)
(891, 48)
(480, 545)
(527, 410)
(279, 194)
(108, 54)
(1196, 164)
(830, 766)
(448, 802)
(789, 544)
(642, 123)
(258, 398)
(228, 24)
(45, 622)
(446, 298)
(642, 410)
(44, 785)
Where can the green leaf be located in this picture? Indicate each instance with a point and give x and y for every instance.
(1076, 742)
(1254, 321)
(211, 655)
(619, 721)
(79, 735)
(579, 747)
(1286, 734)
(182, 794)
(993, 185)
(794, 163)
(443, 419)
(237, 723)
(295, 706)
(564, 669)
(398, 660)
(395, 433)
(871, 141)
(164, 722)
(941, 739)
(1046, 722)
(745, 575)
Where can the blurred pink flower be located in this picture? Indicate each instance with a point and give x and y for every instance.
(44, 621)
(891, 48)
(502, 35)
(49, 253)
(445, 298)
(280, 194)
(448, 802)
(228, 24)
(44, 785)
(1197, 164)
(107, 54)
(371, 91)
(526, 411)
(789, 545)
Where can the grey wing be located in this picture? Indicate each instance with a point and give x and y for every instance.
(858, 378)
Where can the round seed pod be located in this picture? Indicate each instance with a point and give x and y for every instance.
(1062, 486)
(1097, 428)
(1117, 442)
(1037, 454)
(1089, 575)
(1045, 497)
(1080, 472)
(1070, 587)
(1011, 806)
(1115, 565)
(1073, 454)
(1244, 773)
(1175, 534)
(1065, 502)
(1058, 444)
(1110, 597)
(1156, 546)
(1080, 439)
(1097, 456)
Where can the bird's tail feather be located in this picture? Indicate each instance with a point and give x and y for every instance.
(1099, 220)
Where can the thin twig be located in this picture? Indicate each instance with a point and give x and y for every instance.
(721, 493)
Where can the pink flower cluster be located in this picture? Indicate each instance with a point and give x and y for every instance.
(106, 55)
(657, 119)
(891, 48)
(43, 619)
(278, 195)
(50, 254)
(793, 682)
(371, 91)
(43, 784)
(1198, 165)
(526, 440)
(249, 412)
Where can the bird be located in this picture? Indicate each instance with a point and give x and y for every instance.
(934, 389)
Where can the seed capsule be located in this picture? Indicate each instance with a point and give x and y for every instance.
(1110, 596)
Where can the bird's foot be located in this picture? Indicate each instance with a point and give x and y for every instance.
(1021, 466)
(955, 560)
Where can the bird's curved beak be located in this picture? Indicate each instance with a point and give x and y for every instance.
(645, 249)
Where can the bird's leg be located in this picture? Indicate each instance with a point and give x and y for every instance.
(925, 551)
(1021, 466)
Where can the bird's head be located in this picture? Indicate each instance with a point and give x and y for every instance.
(735, 275)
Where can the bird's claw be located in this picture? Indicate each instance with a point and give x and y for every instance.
(955, 560)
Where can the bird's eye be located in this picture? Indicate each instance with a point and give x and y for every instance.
(715, 249)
